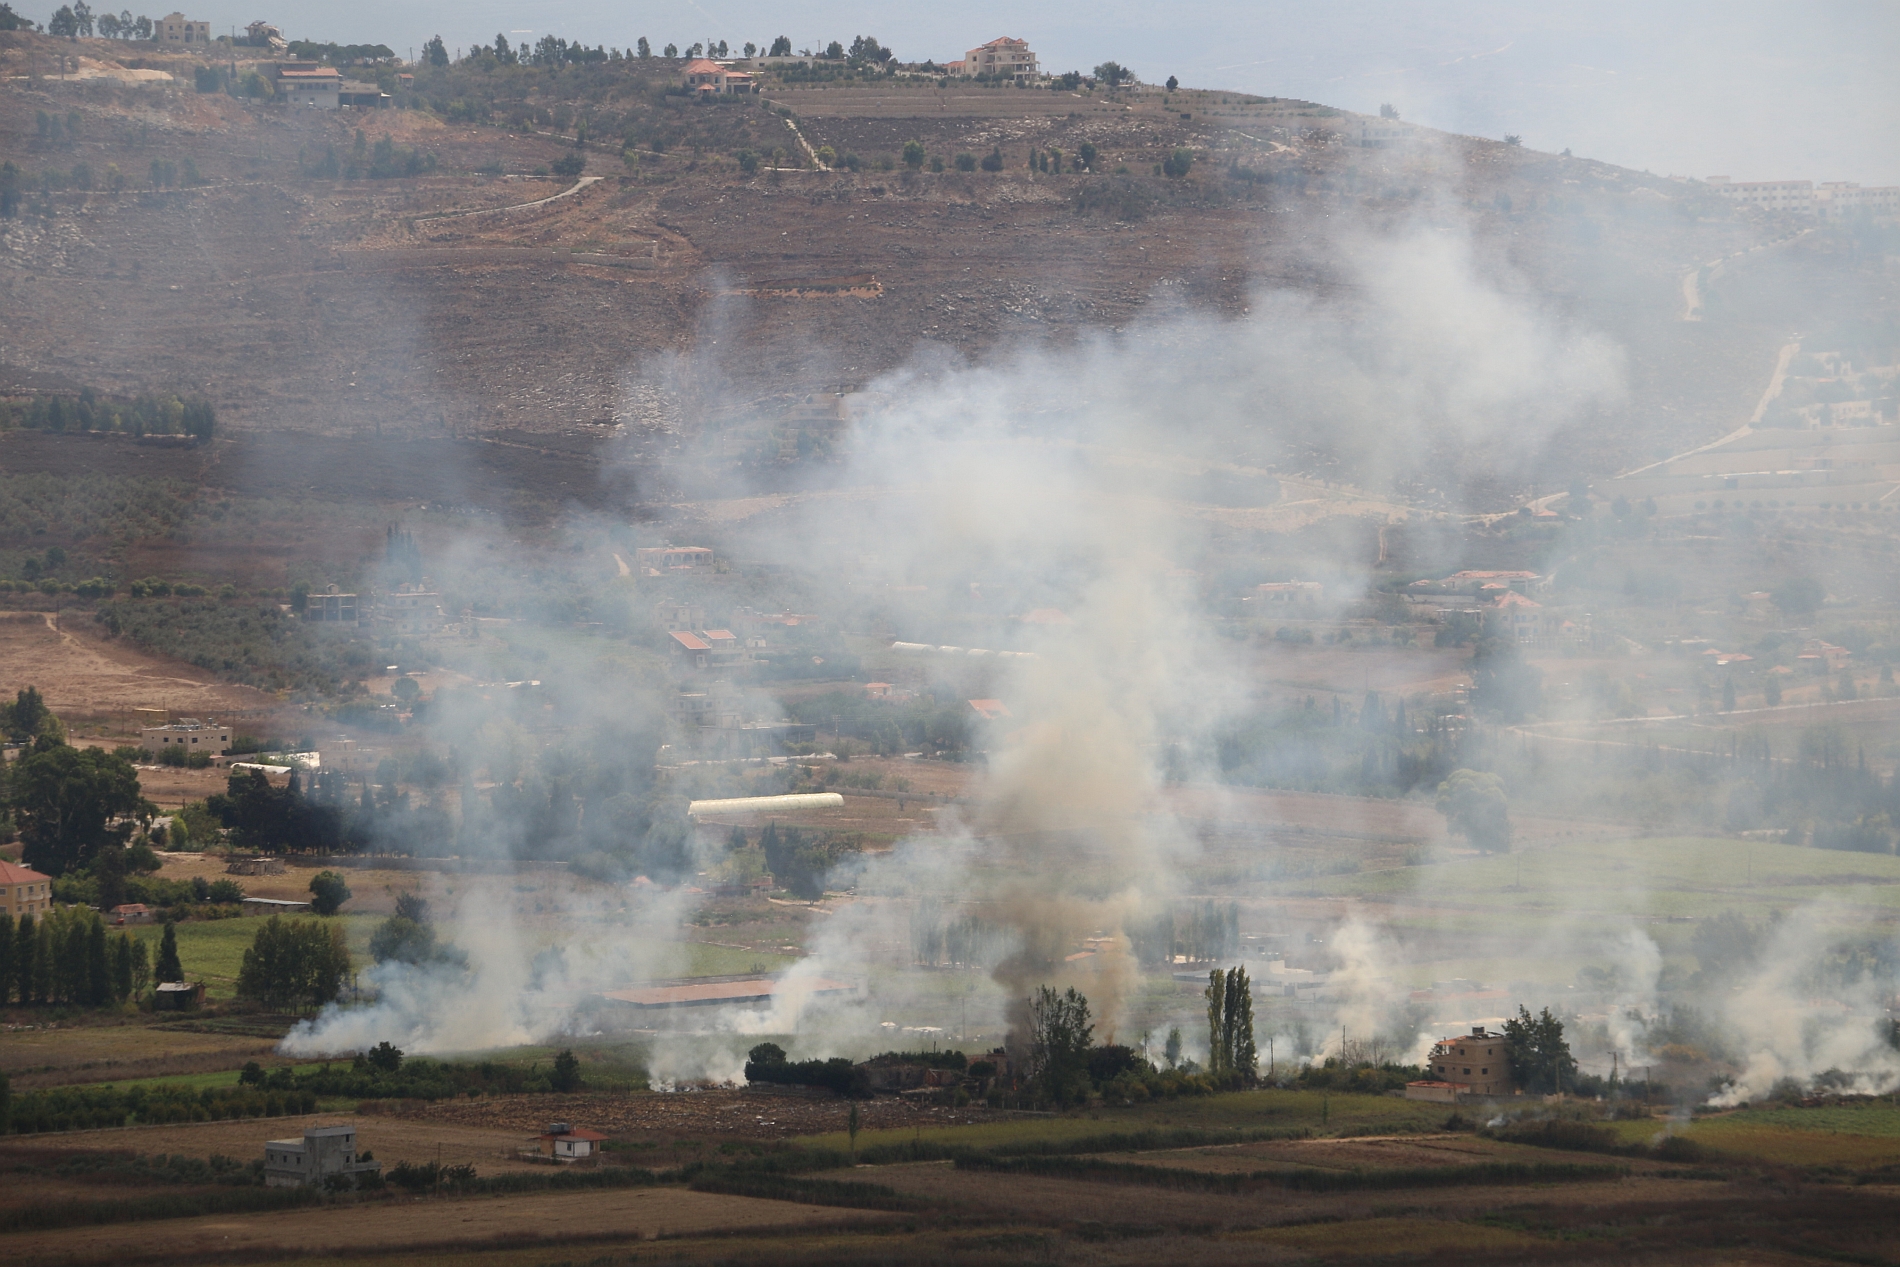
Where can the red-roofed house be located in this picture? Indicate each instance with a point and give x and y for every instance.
(568, 1143)
(990, 709)
(1524, 617)
(24, 891)
(706, 75)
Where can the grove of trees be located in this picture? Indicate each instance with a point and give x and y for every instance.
(295, 965)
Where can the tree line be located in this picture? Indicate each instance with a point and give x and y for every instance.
(151, 413)
(67, 956)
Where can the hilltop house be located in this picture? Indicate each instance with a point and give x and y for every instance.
(1001, 58)
(176, 28)
(706, 76)
(309, 85)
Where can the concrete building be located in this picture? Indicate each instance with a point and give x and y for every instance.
(24, 891)
(1844, 200)
(1831, 200)
(330, 607)
(1793, 196)
(130, 913)
(264, 34)
(1001, 58)
(411, 611)
(176, 28)
(1383, 134)
(672, 560)
(308, 85)
(322, 1152)
(567, 1143)
(354, 94)
(1478, 1063)
(188, 733)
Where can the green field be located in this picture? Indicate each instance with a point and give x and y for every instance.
(1665, 876)
(1323, 1113)
(212, 951)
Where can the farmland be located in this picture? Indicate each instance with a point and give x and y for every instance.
(1078, 1204)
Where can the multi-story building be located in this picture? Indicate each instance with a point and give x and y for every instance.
(1793, 196)
(1832, 200)
(1001, 58)
(176, 28)
(323, 1152)
(24, 891)
(187, 733)
(1478, 1063)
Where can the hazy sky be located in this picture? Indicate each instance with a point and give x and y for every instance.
(1754, 89)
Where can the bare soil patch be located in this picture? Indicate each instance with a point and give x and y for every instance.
(82, 675)
(392, 1139)
(37, 1053)
(435, 1223)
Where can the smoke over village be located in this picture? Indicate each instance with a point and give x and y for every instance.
(853, 650)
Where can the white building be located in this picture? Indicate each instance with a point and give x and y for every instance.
(176, 28)
(312, 87)
(1002, 57)
(187, 733)
(1793, 196)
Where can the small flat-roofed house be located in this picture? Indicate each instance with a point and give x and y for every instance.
(274, 906)
(312, 87)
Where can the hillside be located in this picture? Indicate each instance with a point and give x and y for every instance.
(257, 272)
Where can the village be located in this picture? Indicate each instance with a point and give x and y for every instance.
(707, 652)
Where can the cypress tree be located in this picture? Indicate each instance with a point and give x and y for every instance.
(122, 968)
(43, 962)
(98, 990)
(23, 944)
(169, 969)
(7, 953)
(73, 965)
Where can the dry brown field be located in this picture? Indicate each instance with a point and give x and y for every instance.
(392, 1139)
(82, 676)
(39, 1054)
(441, 1226)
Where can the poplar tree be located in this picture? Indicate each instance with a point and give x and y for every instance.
(24, 944)
(7, 957)
(1231, 1053)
